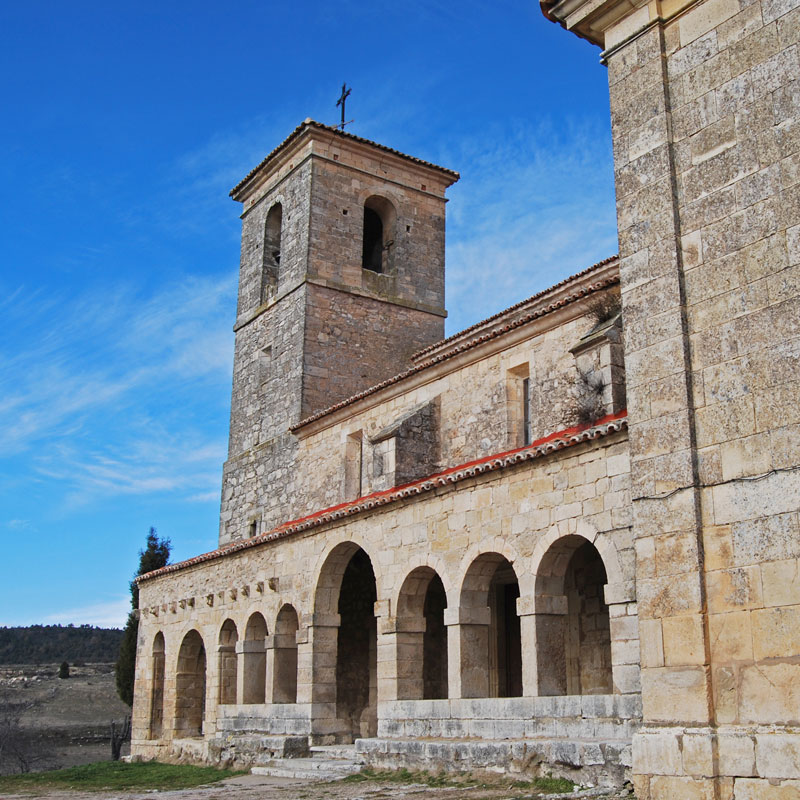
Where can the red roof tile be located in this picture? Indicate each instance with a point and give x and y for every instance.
(544, 446)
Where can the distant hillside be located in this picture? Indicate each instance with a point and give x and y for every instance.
(43, 644)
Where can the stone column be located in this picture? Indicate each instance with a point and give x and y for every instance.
(624, 622)
(400, 658)
(542, 631)
(468, 651)
(269, 668)
(317, 684)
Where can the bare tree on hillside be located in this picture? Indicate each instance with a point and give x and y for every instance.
(19, 751)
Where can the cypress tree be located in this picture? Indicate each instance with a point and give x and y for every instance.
(154, 556)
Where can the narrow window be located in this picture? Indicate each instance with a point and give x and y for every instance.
(526, 411)
(352, 466)
(518, 405)
(272, 252)
(372, 255)
(264, 364)
(378, 235)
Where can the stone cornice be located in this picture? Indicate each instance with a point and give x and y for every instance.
(607, 23)
(315, 138)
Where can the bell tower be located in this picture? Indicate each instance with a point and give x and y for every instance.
(341, 281)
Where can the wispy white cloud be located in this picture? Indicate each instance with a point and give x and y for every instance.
(532, 207)
(20, 525)
(111, 614)
(204, 497)
(105, 353)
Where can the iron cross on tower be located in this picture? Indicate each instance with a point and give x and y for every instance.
(341, 101)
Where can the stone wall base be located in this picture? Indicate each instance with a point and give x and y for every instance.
(244, 750)
(745, 763)
(601, 763)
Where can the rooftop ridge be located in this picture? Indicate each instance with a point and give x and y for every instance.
(516, 306)
(579, 294)
(310, 123)
(558, 440)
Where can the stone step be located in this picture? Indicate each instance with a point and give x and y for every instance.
(337, 752)
(319, 769)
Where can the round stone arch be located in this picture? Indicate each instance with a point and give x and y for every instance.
(572, 620)
(501, 546)
(344, 637)
(284, 654)
(227, 661)
(421, 650)
(489, 631)
(157, 651)
(328, 574)
(604, 544)
(191, 667)
(436, 565)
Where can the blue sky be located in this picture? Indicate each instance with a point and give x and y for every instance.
(125, 126)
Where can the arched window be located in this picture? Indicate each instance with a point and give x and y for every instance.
(284, 688)
(190, 687)
(255, 660)
(228, 637)
(272, 252)
(378, 239)
(574, 647)
(157, 688)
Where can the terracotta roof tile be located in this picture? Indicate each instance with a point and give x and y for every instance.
(470, 342)
(542, 447)
(515, 307)
(310, 123)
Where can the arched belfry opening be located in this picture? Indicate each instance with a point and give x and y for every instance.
(422, 637)
(378, 235)
(284, 689)
(190, 687)
(272, 251)
(573, 642)
(254, 660)
(345, 655)
(227, 662)
(157, 688)
(491, 644)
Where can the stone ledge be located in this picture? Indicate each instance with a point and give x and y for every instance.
(605, 763)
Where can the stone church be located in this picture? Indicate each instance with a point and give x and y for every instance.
(565, 539)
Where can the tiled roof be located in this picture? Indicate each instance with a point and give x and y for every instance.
(474, 341)
(515, 307)
(310, 123)
(542, 447)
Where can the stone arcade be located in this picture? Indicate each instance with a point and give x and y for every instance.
(476, 552)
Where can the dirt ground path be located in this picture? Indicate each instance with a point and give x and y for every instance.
(257, 787)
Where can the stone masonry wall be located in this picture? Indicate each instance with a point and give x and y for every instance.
(706, 135)
(353, 342)
(519, 512)
(328, 329)
(473, 413)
